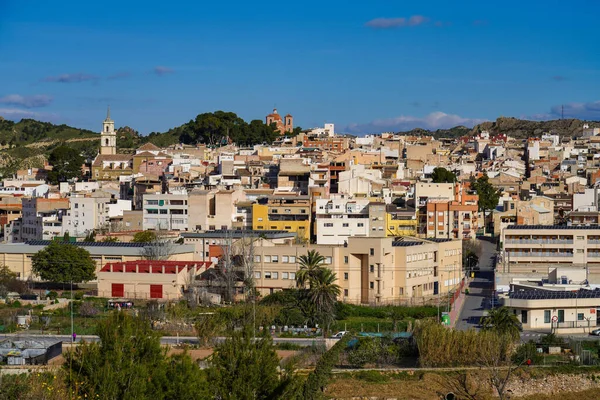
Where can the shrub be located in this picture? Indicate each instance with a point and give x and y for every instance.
(527, 351)
(52, 295)
(371, 376)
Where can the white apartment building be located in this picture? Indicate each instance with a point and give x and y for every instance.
(339, 218)
(165, 211)
(86, 214)
(25, 189)
(42, 218)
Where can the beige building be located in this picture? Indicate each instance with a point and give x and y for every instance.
(369, 270)
(144, 279)
(214, 209)
(528, 249)
(537, 211)
(557, 311)
(17, 256)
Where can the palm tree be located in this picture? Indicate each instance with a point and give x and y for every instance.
(502, 321)
(323, 293)
(310, 265)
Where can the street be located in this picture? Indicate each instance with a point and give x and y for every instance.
(165, 340)
(480, 289)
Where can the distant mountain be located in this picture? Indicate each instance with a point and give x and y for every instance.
(514, 127)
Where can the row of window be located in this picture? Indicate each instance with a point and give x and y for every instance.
(165, 211)
(284, 259)
(275, 275)
(344, 225)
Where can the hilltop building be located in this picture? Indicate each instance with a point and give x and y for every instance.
(283, 125)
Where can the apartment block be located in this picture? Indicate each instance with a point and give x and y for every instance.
(165, 211)
(215, 209)
(283, 212)
(339, 218)
(534, 249)
(42, 218)
(86, 213)
(400, 222)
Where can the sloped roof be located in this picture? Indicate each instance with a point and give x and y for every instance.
(148, 147)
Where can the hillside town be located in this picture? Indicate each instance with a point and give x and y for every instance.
(390, 214)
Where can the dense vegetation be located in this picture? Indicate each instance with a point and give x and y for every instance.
(514, 127)
(218, 128)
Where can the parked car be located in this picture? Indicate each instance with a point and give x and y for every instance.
(339, 335)
(595, 332)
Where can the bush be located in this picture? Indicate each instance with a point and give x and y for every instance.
(345, 310)
(527, 351)
(371, 376)
(52, 295)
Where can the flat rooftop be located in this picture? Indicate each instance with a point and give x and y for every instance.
(238, 234)
(551, 294)
(554, 227)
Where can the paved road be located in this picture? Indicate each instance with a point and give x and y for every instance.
(165, 340)
(480, 289)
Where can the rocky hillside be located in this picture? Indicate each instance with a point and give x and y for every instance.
(514, 127)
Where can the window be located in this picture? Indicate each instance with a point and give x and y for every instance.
(346, 292)
(267, 259)
(345, 276)
(293, 275)
(440, 214)
(372, 285)
(561, 315)
(267, 275)
(275, 275)
(392, 228)
(328, 225)
(285, 275)
(579, 251)
(327, 260)
(292, 259)
(372, 251)
(360, 224)
(580, 317)
(275, 259)
(163, 211)
(372, 268)
(257, 275)
(345, 259)
(579, 237)
(285, 259)
(76, 205)
(256, 259)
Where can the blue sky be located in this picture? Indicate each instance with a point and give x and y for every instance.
(367, 66)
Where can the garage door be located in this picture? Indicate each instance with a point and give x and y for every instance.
(156, 291)
(118, 290)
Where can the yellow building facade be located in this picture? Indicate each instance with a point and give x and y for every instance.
(283, 213)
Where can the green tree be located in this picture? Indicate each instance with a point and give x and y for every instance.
(488, 195)
(244, 369)
(502, 321)
(323, 293)
(64, 262)
(66, 164)
(309, 268)
(442, 175)
(144, 237)
(9, 282)
(129, 363)
(90, 237)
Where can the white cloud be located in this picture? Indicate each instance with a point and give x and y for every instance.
(16, 114)
(385, 23)
(589, 111)
(432, 121)
(38, 100)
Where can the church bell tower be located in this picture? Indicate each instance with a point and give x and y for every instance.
(108, 136)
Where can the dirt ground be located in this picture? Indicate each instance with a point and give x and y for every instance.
(428, 386)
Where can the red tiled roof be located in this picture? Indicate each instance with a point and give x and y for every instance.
(155, 267)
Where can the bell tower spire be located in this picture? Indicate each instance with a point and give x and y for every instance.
(108, 136)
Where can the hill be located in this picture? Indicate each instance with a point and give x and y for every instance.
(514, 127)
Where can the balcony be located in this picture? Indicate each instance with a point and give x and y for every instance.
(593, 254)
(540, 241)
(539, 254)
